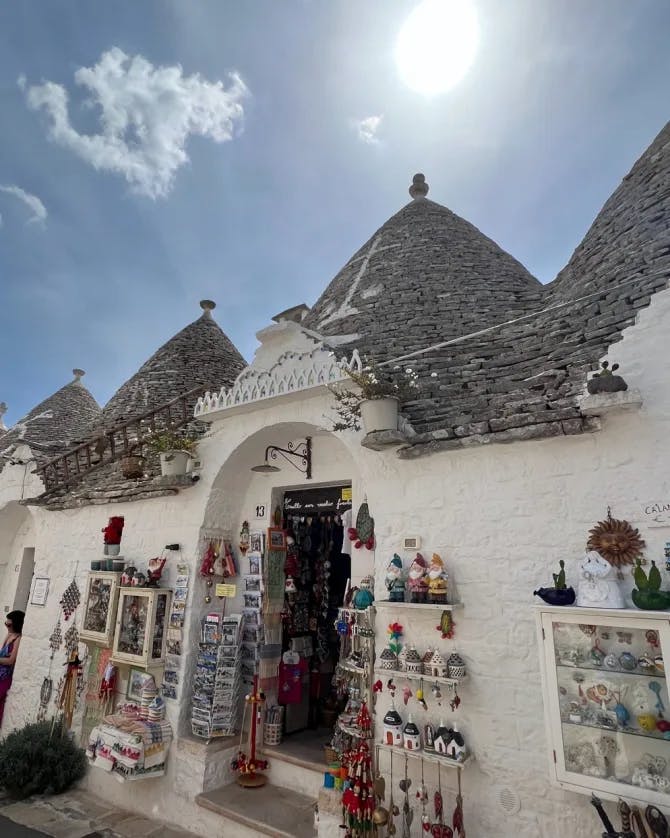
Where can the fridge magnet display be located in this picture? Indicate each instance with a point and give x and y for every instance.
(254, 563)
(182, 581)
(252, 583)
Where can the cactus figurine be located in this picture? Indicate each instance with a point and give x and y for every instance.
(647, 593)
(605, 381)
(560, 594)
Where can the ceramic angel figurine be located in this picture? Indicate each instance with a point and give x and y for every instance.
(598, 587)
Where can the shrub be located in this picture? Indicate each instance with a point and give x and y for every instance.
(40, 759)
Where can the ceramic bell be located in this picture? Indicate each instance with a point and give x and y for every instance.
(598, 587)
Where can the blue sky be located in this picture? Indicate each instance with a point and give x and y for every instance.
(256, 191)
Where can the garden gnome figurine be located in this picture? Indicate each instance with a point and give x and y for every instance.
(395, 580)
(437, 581)
(417, 582)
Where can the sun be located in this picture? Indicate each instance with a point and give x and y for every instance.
(437, 45)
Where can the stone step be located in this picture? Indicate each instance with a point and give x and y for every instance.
(268, 810)
(293, 770)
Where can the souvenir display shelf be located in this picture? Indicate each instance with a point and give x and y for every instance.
(426, 756)
(606, 701)
(218, 678)
(400, 675)
(141, 626)
(100, 600)
(424, 606)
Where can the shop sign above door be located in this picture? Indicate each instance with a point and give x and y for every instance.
(656, 513)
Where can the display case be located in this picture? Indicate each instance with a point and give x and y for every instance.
(100, 600)
(141, 626)
(606, 701)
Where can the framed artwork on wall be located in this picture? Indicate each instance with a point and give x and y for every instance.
(276, 538)
(137, 678)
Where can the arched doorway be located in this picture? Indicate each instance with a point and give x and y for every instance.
(311, 514)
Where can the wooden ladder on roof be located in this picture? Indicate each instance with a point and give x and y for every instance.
(125, 439)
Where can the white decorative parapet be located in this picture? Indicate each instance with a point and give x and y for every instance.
(292, 373)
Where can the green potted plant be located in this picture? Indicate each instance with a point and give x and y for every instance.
(175, 450)
(374, 400)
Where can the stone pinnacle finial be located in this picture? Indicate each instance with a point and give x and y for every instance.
(419, 187)
(207, 306)
(78, 374)
(3, 410)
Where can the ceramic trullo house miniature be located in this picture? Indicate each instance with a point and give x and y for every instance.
(499, 358)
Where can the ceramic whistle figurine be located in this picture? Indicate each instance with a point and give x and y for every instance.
(417, 582)
(395, 580)
(598, 587)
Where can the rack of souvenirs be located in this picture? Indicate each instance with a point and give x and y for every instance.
(133, 743)
(218, 677)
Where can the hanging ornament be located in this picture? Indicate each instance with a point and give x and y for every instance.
(71, 639)
(244, 538)
(617, 541)
(446, 627)
(363, 534)
(45, 698)
(56, 639)
(70, 600)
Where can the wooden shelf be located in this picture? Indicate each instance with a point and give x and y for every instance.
(421, 606)
(426, 756)
(415, 676)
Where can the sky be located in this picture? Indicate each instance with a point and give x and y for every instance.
(154, 154)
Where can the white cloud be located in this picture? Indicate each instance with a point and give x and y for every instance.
(146, 114)
(368, 128)
(37, 208)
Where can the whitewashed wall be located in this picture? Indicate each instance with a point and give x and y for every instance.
(501, 516)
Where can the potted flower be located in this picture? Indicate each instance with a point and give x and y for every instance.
(375, 400)
(175, 450)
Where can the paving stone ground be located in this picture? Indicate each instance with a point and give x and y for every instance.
(76, 814)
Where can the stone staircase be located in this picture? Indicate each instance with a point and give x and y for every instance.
(285, 806)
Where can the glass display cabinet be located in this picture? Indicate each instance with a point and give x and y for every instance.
(606, 700)
(100, 599)
(141, 626)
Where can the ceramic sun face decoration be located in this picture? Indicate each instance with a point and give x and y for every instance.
(598, 587)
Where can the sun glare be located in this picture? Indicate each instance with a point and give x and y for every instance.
(437, 45)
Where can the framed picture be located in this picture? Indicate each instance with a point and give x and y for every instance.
(100, 600)
(254, 563)
(40, 591)
(137, 678)
(276, 538)
(256, 542)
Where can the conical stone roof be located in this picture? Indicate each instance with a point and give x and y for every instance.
(629, 241)
(63, 419)
(425, 275)
(201, 354)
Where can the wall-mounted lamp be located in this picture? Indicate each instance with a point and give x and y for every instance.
(299, 456)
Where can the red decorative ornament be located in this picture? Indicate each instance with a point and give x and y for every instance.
(446, 627)
(113, 531)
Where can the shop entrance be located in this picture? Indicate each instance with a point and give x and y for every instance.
(318, 566)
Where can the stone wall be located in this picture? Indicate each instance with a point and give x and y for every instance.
(500, 515)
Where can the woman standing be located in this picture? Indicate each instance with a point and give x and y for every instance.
(8, 652)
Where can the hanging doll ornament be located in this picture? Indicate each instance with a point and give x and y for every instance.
(244, 538)
(70, 600)
(71, 639)
(56, 639)
(446, 627)
(69, 688)
(363, 534)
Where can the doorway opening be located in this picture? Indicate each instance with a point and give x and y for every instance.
(25, 580)
(317, 569)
